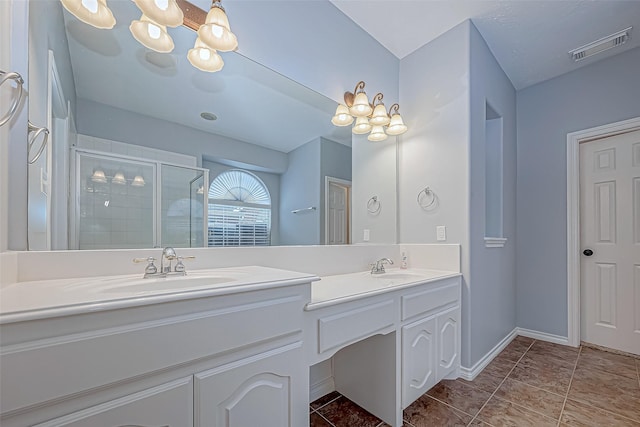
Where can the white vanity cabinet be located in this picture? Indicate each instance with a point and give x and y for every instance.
(257, 391)
(431, 344)
(403, 334)
(169, 404)
(234, 359)
(418, 359)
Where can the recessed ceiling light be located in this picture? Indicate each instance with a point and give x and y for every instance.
(605, 43)
(208, 116)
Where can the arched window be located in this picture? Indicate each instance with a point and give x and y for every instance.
(239, 210)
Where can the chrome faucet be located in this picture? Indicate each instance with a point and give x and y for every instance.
(169, 254)
(378, 266)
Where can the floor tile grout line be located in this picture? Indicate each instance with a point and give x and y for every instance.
(450, 406)
(537, 388)
(324, 418)
(502, 382)
(566, 396)
(320, 407)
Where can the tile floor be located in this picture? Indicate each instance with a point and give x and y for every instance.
(530, 383)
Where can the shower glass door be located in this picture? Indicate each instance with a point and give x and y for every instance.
(183, 208)
(115, 203)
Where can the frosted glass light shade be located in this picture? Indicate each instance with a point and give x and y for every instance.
(119, 179)
(98, 176)
(361, 107)
(342, 116)
(138, 181)
(215, 32)
(92, 12)
(204, 58)
(163, 12)
(380, 116)
(151, 35)
(396, 126)
(377, 134)
(362, 126)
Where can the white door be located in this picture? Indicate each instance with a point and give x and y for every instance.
(610, 241)
(337, 213)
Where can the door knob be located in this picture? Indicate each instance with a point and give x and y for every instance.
(587, 252)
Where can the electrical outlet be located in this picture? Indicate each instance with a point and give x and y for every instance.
(441, 233)
(366, 235)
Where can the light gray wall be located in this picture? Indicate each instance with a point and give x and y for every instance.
(492, 283)
(604, 92)
(434, 100)
(335, 161)
(107, 122)
(300, 189)
(270, 180)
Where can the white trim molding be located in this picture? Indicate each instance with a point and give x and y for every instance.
(321, 388)
(470, 373)
(574, 139)
(495, 242)
(543, 336)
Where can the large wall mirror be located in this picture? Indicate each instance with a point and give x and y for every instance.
(145, 150)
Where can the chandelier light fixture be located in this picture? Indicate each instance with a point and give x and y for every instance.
(371, 118)
(213, 29)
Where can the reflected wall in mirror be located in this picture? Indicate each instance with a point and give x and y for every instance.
(135, 114)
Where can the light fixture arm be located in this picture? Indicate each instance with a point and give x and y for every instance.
(394, 109)
(377, 99)
(349, 97)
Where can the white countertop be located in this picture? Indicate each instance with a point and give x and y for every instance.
(348, 287)
(62, 297)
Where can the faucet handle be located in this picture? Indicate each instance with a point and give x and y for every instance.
(148, 259)
(150, 268)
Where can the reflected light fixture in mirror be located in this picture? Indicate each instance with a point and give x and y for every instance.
(99, 176)
(119, 179)
(162, 12)
(138, 181)
(151, 35)
(204, 58)
(93, 12)
(369, 117)
(214, 31)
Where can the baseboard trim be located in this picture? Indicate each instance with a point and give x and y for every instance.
(543, 336)
(321, 388)
(470, 373)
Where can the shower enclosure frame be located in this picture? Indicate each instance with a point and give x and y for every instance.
(76, 180)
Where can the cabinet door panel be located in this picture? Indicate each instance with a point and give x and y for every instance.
(448, 342)
(269, 389)
(168, 405)
(418, 359)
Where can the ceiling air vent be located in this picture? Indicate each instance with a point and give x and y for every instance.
(601, 45)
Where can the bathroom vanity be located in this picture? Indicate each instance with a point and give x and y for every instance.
(222, 347)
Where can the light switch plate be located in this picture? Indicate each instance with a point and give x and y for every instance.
(366, 235)
(441, 233)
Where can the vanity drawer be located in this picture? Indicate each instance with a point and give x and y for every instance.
(353, 325)
(446, 293)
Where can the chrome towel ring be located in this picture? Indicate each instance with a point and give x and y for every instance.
(32, 139)
(5, 76)
(428, 199)
(374, 205)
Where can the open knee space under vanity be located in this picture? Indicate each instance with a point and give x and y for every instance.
(390, 339)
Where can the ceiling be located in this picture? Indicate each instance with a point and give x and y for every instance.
(530, 39)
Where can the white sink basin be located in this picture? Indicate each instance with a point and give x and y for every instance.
(396, 276)
(176, 283)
